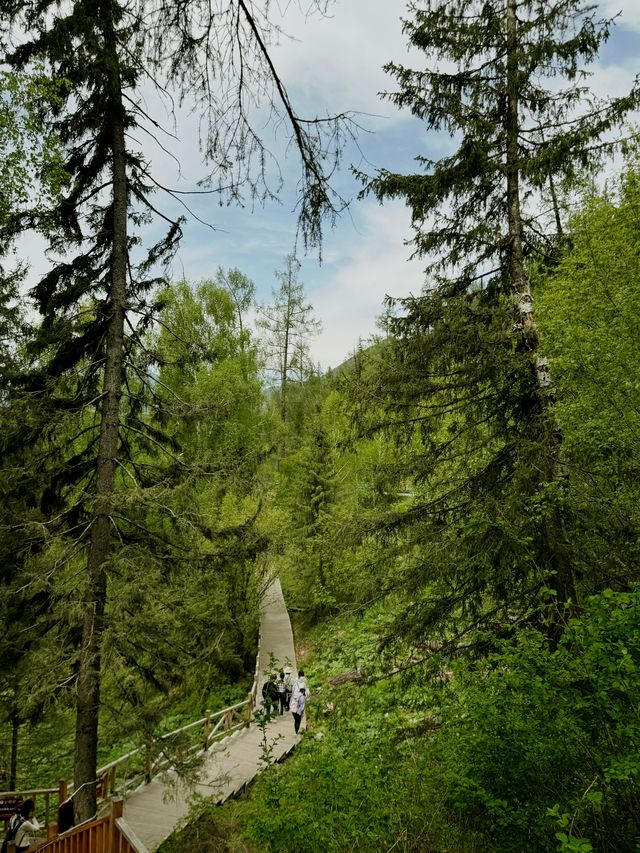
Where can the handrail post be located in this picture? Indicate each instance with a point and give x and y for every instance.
(250, 701)
(47, 798)
(63, 789)
(117, 810)
(148, 741)
(207, 731)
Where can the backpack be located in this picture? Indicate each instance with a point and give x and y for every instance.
(293, 705)
(14, 825)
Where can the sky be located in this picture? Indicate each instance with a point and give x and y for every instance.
(331, 64)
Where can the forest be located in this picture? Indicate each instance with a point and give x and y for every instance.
(453, 512)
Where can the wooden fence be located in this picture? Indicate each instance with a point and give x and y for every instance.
(140, 765)
(110, 833)
(10, 802)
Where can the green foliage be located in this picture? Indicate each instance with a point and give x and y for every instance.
(355, 782)
(31, 181)
(534, 748)
(458, 386)
(589, 329)
(346, 807)
(187, 541)
(477, 712)
(31, 169)
(453, 399)
(535, 734)
(208, 389)
(306, 489)
(288, 324)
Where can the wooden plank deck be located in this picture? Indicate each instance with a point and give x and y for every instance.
(156, 809)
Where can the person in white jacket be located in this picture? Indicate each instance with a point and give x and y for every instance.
(300, 682)
(25, 835)
(288, 686)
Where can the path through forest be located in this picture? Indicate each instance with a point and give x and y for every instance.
(155, 810)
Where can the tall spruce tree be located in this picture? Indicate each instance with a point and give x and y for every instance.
(464, 376)
(95, 301)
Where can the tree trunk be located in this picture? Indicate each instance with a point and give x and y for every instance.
(519, 280)
(285, 367)
(563, 580)
(288, 326)
(13, 766)
(88, 685)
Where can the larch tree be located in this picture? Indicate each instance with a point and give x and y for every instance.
(289, 324)
(97, 301)
(464, 375)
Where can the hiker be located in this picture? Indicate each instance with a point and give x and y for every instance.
(298, 701)
(301, 682)
(23, 825)
(282, 692)
(270, 695)
(288, 686)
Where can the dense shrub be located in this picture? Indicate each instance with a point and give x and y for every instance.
(535, 748)
(539, 746)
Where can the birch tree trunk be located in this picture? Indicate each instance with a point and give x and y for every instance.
(519, 280)
(563, 583)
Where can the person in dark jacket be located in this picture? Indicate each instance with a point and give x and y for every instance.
(270, 695)
(288, 686)
(282, 692)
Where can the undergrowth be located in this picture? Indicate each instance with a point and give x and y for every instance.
(535, 748)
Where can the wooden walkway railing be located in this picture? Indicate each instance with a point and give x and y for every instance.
(10, 801)
(109, 832)
(143, 763)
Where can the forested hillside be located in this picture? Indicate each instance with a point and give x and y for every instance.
(506, 720)
(453, 513)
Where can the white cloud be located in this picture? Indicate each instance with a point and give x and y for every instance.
(374, 263)
(336, 61)
(335, 64)
(611, 81)
(629, 11)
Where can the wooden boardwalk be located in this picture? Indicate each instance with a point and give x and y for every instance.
(156, 809)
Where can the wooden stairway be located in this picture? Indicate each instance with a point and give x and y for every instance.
(146, 816)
